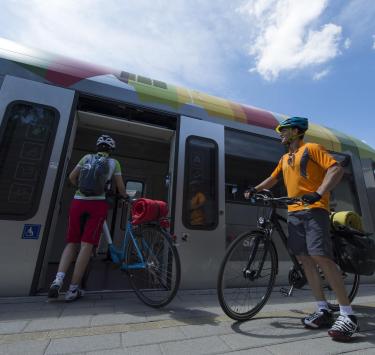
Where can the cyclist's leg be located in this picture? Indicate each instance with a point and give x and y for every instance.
(67, 257)
(81, 262)
(312, 276)
(97, 211)
(299, 246)
(70, 250)
(73, 236)
(334, 278)
(319, 246)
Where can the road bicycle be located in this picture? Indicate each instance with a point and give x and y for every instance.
(149, 258)
(249, 268)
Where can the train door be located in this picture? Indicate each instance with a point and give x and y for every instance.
(143, 152)
(34, 120)
(200, 201)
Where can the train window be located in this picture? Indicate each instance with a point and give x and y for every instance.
(26, 140)
(252, 146)
(249, 159)
(200, 203)
(344, 197)
(134, 189)
(241, 173)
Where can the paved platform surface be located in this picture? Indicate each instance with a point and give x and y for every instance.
(193, 323)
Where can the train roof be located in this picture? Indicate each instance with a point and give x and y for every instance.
(18, 60)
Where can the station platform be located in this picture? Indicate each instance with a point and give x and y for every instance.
(193, 323)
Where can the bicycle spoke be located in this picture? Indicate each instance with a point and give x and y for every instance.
(157, 282)
(242, 293)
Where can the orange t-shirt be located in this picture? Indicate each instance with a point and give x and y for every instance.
(304, 173)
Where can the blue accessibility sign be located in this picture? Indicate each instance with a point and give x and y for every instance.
(31, 231)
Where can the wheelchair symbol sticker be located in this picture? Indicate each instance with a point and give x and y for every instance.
(31, 231)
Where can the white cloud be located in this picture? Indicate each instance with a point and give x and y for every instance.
(347, 43)
(321, 74)
(373, 41)
(177, 41)
(285, 35)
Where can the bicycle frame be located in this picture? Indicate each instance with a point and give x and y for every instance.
(275, 220)
(270, 223)
(118, 254)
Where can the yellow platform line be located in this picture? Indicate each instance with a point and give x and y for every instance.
(123, 328)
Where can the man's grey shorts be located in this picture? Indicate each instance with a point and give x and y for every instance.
(309, 232)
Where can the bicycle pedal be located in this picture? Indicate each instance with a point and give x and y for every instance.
(284, 291)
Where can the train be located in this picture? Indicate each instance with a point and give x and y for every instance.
(169, 138)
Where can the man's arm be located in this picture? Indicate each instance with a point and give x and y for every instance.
(120, 185)
(264, 185)
(73, 176)
(331, 179)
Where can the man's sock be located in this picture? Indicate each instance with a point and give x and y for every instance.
(60, 276)
(322, 305)
(346, 310)
(73, 287)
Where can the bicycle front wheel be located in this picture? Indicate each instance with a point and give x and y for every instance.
(247, 275)
(156, 281)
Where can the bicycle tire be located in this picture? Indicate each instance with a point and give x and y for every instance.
(232, 290)
(157, 284)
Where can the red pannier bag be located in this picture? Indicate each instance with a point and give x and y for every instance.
(145, 210)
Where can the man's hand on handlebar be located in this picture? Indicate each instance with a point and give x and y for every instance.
(311, 198)
(250, 192)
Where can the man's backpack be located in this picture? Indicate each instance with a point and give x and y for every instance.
(93, 175)
(354, 251)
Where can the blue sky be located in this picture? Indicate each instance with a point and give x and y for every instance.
(314, 58)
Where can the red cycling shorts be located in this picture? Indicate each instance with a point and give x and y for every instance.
(86, 218)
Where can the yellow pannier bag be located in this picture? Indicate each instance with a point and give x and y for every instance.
(346, 219)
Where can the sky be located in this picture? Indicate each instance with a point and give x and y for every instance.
(311, 58)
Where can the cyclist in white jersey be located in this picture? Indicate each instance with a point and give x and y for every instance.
(86, 217)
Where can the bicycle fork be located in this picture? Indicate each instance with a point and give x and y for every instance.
(255, 274)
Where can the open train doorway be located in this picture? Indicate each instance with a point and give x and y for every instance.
(146, 154)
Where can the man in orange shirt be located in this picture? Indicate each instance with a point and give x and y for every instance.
(310, 173)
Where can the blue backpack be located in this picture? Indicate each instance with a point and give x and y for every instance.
(93, 175)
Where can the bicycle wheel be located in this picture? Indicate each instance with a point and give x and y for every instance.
(351, 282)
(243, 290)
(157, 283)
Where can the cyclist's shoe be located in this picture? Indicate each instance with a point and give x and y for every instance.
(72, 295)
(344, 328)
(54, 289)
(319, 319)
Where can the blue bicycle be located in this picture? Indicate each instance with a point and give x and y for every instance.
(149, 258)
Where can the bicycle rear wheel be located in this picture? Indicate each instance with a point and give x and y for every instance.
(157, 283)
(244, 289)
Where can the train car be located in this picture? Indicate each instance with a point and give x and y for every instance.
(52, 109)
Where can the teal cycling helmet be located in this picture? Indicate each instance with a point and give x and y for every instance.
(294, 122)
